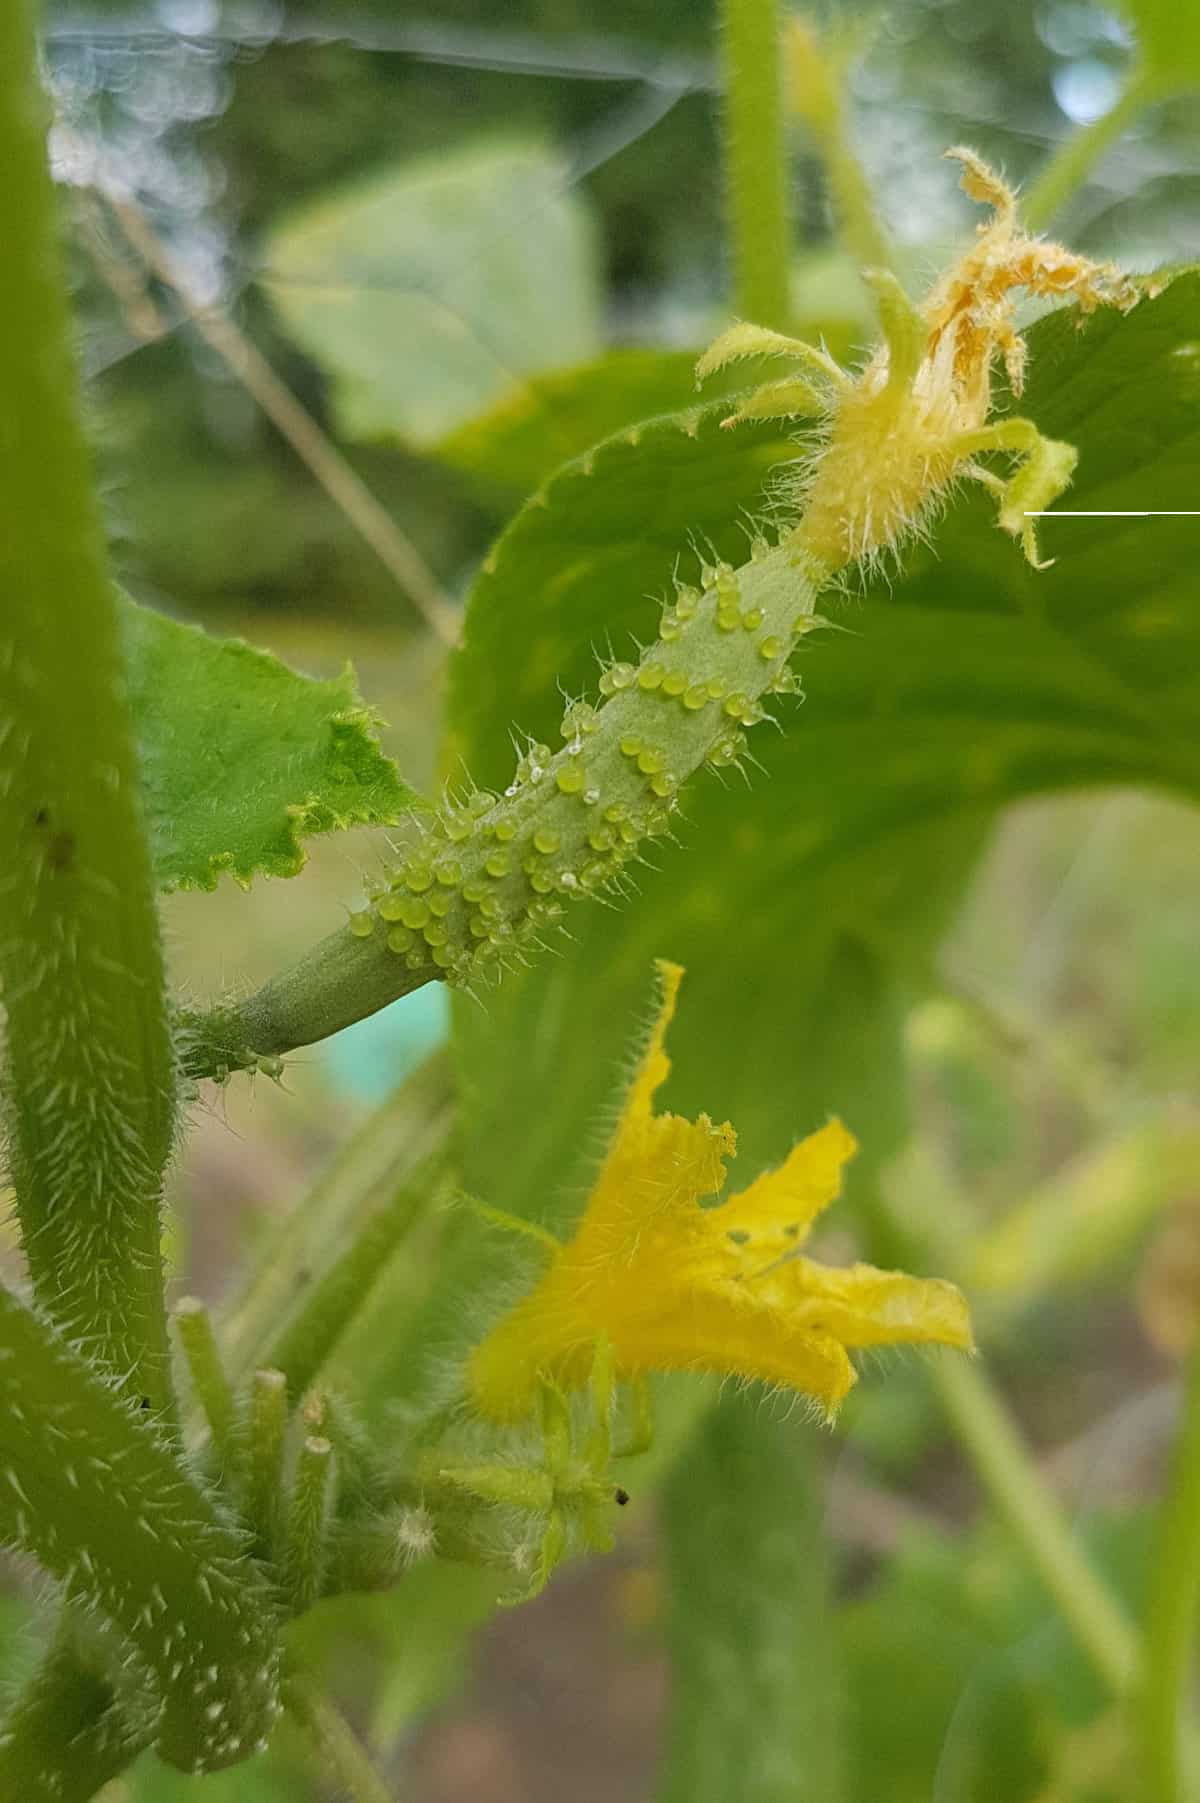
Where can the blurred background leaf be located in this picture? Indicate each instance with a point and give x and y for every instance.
(428, 290)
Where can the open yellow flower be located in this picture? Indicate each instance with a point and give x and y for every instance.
(674, 1285)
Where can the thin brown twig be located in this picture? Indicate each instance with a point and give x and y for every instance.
(341, 483)
(143, 318)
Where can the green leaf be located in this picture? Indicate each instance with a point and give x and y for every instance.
(269, 1778)
(547, 420)
(803, 903)
(552, 418)
(241, 757)
(998, 1698)
(427, 292)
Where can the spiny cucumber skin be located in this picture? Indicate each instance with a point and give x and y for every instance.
(755, 1703)
(498, 871)
(495, 874)
(90, 1489)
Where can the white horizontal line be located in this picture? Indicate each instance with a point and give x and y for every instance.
(1112, 513)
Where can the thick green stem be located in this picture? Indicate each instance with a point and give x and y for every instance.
(755, 1714)
(1002, 1463)
(1169, 1775)
(1074, 159)
(755, 164)
(90, 1084)
(93, 1491)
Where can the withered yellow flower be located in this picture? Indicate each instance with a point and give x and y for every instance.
(671, 1284)
(897, 436)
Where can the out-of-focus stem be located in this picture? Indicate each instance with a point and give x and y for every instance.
(1166, 1762)
(755, 167)
(345, 1755)
(814, 92)
(1001, 1461)
(1074, 159)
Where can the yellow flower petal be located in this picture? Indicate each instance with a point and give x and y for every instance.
(732, 1337)
(656, 1162)
(784, 1203)
(673, 1285)
(862, 1306)
(654, 1066)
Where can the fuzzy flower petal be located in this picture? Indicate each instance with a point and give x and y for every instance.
(673, 1284)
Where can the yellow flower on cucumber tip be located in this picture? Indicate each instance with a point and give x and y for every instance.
(672, 1284)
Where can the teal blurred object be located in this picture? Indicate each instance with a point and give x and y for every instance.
(367, 1060)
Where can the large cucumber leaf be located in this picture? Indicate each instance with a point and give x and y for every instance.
(549, 419)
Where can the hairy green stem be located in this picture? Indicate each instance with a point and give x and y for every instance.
(1074, 159)
(207, 1370)
(91, 1489)
(305, 1343)
(90, 1083)
(1002, 1463)
(1162, 1700)
(309, 1508)
(756, 198)
(264, 1431)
